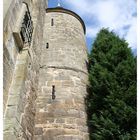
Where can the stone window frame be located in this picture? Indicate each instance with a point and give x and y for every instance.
(23, 32)
(27, 27)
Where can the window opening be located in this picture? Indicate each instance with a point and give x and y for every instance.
(52, 22)
(27, 27)
(53, 92)
(47, 45)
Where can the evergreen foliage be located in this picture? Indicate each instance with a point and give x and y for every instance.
(111, 101)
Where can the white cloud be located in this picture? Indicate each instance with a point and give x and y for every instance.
(91, 31)
(131, 35)
(118, 15)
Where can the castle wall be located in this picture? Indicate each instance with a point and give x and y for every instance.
(64, 65)
(10, 49)
(30, 113)
(21, 70)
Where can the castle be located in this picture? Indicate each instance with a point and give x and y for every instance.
(45, 72)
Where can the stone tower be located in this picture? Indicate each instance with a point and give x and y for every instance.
(45, 72)
(60, 113)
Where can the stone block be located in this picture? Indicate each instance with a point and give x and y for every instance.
(8, 124)
(57, 83)
(86, 136)
(38, 137)
(69, 137)
(18, 39)
(81, 122)
(73, 113)
(23, 122)
(67, 83)
(9, 136)
(12, 112)
(23, 57)
(82, 114)
(15, 89)
(60, 120)
(20, 17)
(41, 117)
(71, 132)
(51, 133)
(70, 126)
(69, 101)
(29, 135)
(83, 128)
(47, 90)
(78, 100)
(71, 120)
(61, 76)
(38, 131)
(60, 112)
(6, 5)
(50, 120)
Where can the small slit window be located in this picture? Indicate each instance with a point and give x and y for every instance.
(47, 45)
(52, 22)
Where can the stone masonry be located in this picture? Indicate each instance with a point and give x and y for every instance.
(21, 69)
(63, 65)
(44, 82)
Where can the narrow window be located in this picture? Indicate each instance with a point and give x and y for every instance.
(47, 45)
(52, 22)
(53, 92)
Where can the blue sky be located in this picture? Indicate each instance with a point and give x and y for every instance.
(117, 15)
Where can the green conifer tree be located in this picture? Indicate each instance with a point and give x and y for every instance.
(111, 103)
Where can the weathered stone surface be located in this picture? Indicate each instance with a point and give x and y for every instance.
(64, 65)
(21, 69)
(38, 131)
(60, 120)
(86, 136)
(29, 74)
(81, 122)
(70, 126)
(67, 137)
(38, 137)
(9, 136)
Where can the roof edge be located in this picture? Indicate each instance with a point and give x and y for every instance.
(63, 10)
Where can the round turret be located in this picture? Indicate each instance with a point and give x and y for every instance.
(65, 39)
(63, 77)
